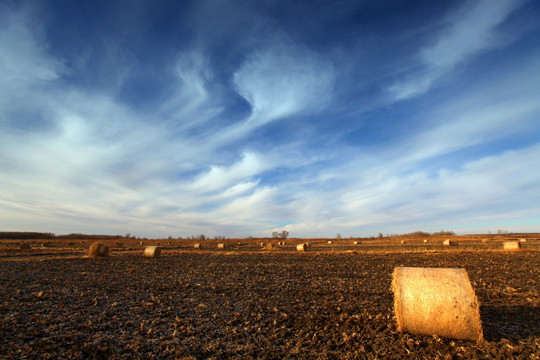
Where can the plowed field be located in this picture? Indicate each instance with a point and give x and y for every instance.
(252, 305)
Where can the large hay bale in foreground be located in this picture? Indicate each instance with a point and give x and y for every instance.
(301, 247)
(152, 251)
(436, 301)
(512, 246)
(98, 250)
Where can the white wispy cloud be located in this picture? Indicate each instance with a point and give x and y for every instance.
(470, 31)
(100, 166)
(284, 80)
(219, 177)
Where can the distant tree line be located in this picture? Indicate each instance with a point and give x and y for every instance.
(20, 235)
(421, 234)
(25, 235)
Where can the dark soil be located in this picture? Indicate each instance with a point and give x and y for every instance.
(263, 306)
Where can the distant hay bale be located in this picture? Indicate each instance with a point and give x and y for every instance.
(98, 250)
(425, 241)
(221, 246)
(357, 243)
(301, 247)
(448, 242)
(330, 242)
(436, 301)
(522, 240)
(403, 242)
(484, 240)
(25, 246)
(512, 246)
(270, 246)
(262, 244)
(197, 246)
(152, 251)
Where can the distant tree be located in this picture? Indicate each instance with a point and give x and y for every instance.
(128, 235)
(280, 235)
(338, 236)
(381, 235)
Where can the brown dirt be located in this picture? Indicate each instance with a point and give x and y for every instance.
(270, 305)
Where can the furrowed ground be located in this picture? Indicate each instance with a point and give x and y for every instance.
(265, 305)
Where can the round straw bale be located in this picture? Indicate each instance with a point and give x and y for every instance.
(98, 250)
(221, 246)
(522, 240)
(357, 243)
(301, 247)
(448, 242)
(403, 242)
(436, 301)
(425, 241)
(25, 246)
(262, 244)
(511, 245)
(330, 242)
(152, 251)
(197, 246)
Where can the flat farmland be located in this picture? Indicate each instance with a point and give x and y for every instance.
(57, 303)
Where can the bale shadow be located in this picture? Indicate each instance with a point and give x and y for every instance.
(512, 322)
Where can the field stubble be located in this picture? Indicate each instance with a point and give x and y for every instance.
(253, 305)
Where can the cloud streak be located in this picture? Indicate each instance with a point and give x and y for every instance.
(469, 32)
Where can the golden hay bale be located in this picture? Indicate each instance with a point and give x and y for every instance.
(270, 246)
(436, 301)
(403, 242)
(262, 244)
(25, 246)
(425, 241)
(301, 247)
(330, 242)
(152, 251)
(357, 243)
(197, 246)
(522, 240)
(512, 246)
(98, 250)
(221, 246)
(448, 242)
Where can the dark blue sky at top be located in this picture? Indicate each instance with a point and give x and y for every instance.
(316, 116)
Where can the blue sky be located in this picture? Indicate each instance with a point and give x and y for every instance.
(239, 118)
